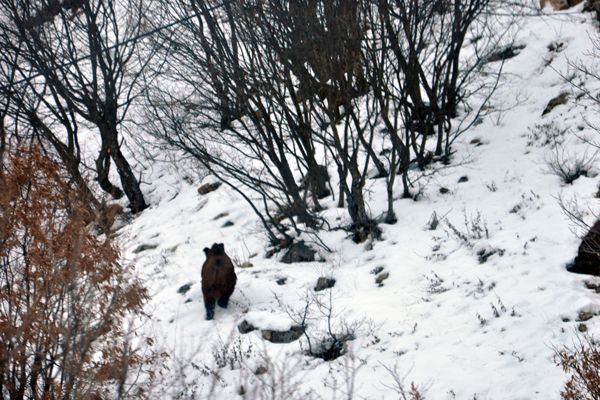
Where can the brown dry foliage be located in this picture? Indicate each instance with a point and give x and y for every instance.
(582, 363)
(64, 296)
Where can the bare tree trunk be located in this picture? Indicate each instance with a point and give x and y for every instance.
(129, 182)
(2, 140)
(103, 169)
(390, 215)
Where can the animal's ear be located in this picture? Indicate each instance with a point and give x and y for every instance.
(206, 250)
(221, 246)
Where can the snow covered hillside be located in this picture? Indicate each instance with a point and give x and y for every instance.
(473, 306)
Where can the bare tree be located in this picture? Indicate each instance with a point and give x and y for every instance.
(84, 63)
(259, 90)
(27, 113)
(323, 52)
(430, 77)
(240, 115)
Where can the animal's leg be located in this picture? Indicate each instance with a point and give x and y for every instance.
(209, 304)
(223, 302)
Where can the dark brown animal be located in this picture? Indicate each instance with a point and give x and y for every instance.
(218, 279)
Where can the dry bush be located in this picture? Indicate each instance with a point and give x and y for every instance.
(570, 166)
(582, 363)
(64, 296)
(404, 392)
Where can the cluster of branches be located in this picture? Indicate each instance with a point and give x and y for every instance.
(268, 94)
(60, 70)
(64, 297)
(286, 102)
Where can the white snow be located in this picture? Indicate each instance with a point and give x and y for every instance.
(458, 328)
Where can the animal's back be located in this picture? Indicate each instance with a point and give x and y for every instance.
(218, 275)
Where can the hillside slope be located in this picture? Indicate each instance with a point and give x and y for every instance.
(472, 309)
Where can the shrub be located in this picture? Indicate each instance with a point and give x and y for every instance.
(64, 296)
(569, 166)
(582, 362)
(475, 229)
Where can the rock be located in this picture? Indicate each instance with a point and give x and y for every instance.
(281, 281)
(582, 327)
(227, 224)
(588, 255)
(592, 286)
(584, 316)
(298, 252)
(220, 215)
(294, 333)
(555, 102)
(144, 247)
(324, 283)
(463, 179)
(185, 288)
(245, 327)
(505, 53)
(559, 5)
(444, 190)
(377, 270)
(382, 277)
(209, 187)
(261, 370)
(332, 348)
(246, 264)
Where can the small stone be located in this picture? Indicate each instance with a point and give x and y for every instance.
(377, 270)
(555, 102)
(246, 264)
(144, 247)
(505, 53)
(592, 286)
(382, 277)
(208, 187)
(444, 190)
(582, 327)
(185, 288)
(281, 281)
(227, 224)
(294, 333)
(324, 283)
(463, 179)
(585, 316)
(261, 370)
(245, 327)
(221, 215)
(188, 301)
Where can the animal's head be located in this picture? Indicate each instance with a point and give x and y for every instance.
(217, 249)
